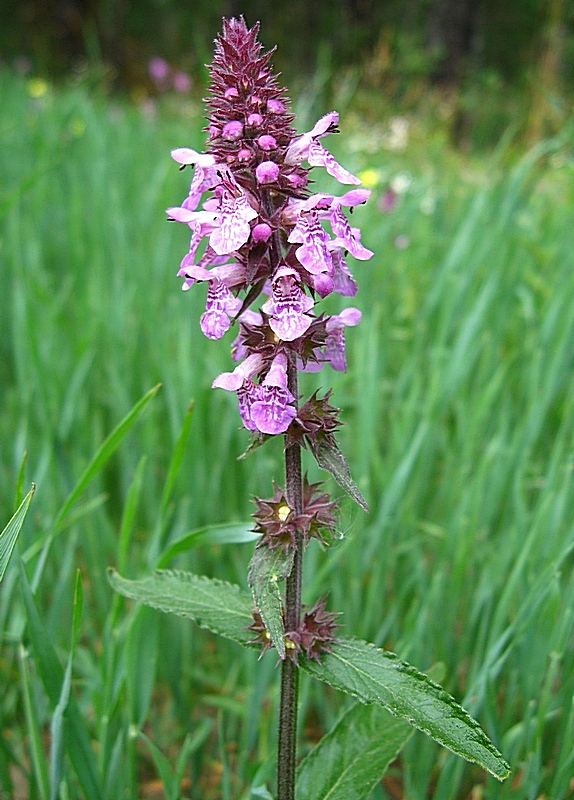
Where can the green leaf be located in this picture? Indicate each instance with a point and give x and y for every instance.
(329, 457)
(104, 452)
(220, 607)
(58, 724)
(129, 512)
(176, 460)
(20, 479)
(266, 569)
(34, 730)
(10, 533)
(232, 533)
(256, 441)
(163, 766)
(349, 761)
(376, 676)
(141, 656)
(106, 449)
(78, 744)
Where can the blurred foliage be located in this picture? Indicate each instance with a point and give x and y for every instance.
(485, 34)
(489, 65)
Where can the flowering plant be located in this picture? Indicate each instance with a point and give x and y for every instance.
(269, 250)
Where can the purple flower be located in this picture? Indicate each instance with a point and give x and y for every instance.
(335, 342)
(268, 248)
(181, 82)
(220, 305)
(261, 232)
(231, 229)
(160, 72)
(346, 237)
(307, 148)
(231, 381)
(272, 411)
(334, 346)
(247, 394)
(267, 142)
(343, 282)
(267, 172)
(314, 253)
(232, 130)
(288, 305)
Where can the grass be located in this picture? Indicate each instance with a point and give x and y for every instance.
(459, 404)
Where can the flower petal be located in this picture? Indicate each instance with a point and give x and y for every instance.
(313, 254)
(272, 413)
(287, 307)
(318, 156)
(232, 226)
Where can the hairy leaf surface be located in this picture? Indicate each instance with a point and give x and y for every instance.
(377, 676)
(349, 760)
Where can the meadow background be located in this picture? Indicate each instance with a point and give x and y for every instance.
(459, 412)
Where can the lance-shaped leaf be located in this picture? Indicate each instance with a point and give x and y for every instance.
(349, 760)
(329, 457)
(10, 533)
(266, 569)
(219, 607)
(376, 676)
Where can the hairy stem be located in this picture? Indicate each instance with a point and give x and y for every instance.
(286, 754)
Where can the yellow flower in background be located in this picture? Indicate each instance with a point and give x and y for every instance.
(369, 178)
(37, 87)
(77, 127)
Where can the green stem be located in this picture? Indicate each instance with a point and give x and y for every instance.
(287, 745)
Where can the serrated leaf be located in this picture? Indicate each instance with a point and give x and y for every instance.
(376, 676)
(266, 569)
(10, 533)
(220, 607)
(349, 760)
(329, 457)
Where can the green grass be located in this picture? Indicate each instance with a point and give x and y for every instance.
(459, 406)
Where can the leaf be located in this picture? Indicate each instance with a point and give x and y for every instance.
(220, 607)
(78, 744)
(20, 479)
(232, 533)
(58, 725)
(141, 656)
(266, 569)
(349, 761)
(176, 460)
(129, 512)
(34, 729)
(106, 449)
(163, 766)
(256, 440)
(104, 452)
(376, 676)
(10, 533)
(329, 457)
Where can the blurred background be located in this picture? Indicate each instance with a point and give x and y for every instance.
(494, 62)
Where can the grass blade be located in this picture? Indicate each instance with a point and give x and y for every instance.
(79, 747)
(58, 722)
(10, 533)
